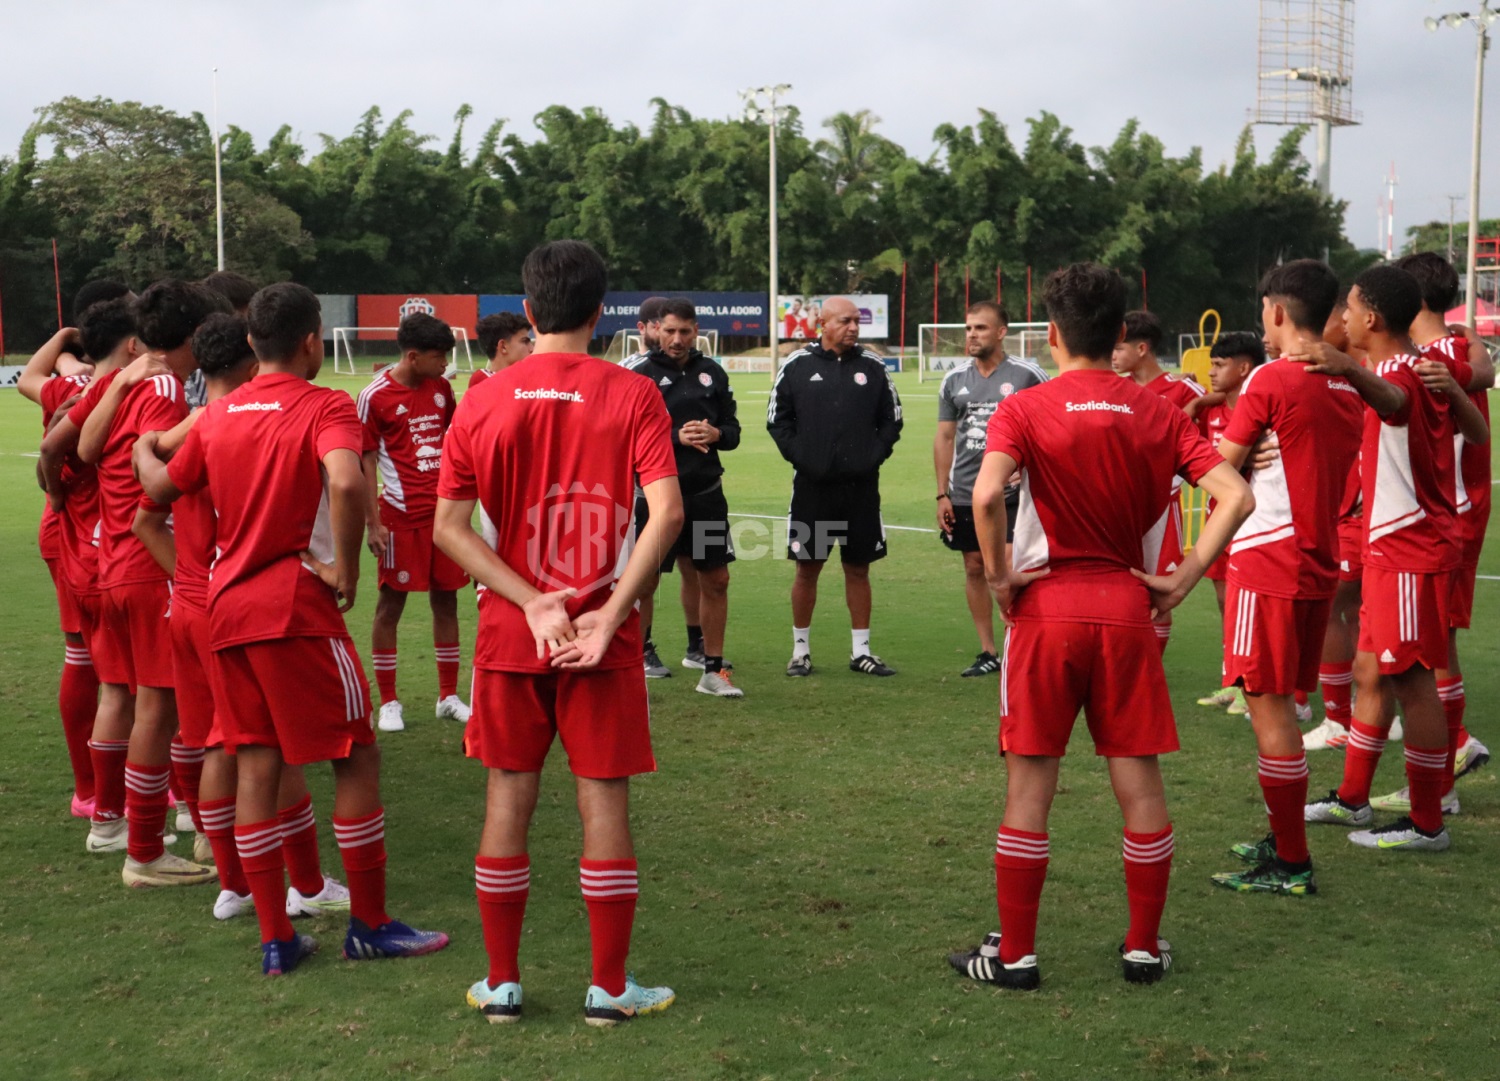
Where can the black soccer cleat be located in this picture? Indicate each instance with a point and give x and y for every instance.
(870, 665)
(983, 965)
(986, 664)
(1142, 967)
(800, 665)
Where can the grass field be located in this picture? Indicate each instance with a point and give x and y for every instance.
(808, 856)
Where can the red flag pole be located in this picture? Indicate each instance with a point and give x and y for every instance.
(1028, 293)
(57, 283)
(903, 311)
(934, 291)
(966, 290)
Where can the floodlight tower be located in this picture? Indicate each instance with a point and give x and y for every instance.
(1306, 67)
(760, 105)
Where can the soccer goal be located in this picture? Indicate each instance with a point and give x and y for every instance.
(627, 342)
(347, 344)
(941, 348)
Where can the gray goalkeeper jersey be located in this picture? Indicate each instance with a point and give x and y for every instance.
(970, 399)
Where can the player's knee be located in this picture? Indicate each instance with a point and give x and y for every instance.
(714, 581)
(857, 572)
(974, 566)
(442, 601)
(389, 605)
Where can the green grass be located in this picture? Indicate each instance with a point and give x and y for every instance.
(808, 857)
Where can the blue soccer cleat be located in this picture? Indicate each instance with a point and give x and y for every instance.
(500, 1005)
(279, 957)
(391, 939)
(604, 1010)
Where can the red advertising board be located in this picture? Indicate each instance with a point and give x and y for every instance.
(387, 310)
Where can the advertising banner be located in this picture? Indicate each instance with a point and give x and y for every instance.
(495, 303)
(387, 310)
(728, 313)
(800, 316)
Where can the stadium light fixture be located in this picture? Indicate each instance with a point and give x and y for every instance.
(761, 107)
(1481, 20)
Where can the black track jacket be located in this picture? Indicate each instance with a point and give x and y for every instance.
(834, 416)
(699, 390)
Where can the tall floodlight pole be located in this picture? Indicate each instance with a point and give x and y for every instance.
(760, 104)
(218, 175)
(1481, 21)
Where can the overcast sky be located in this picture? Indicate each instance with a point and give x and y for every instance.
(1186, 70)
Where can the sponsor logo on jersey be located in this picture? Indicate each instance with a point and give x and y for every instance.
(400, 409)
(254, 407)
(413, 305)
(549, 394)
(429, 452)
(1340, 384)
(439, 400)
(816, 378)
(1007, 389)
(1097, 407)
(706, 379)
(861, 378)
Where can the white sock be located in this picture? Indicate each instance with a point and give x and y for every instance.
(800, 636)
(861, 642)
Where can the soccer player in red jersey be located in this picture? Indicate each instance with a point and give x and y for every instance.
(1283, 561)
(1096, 455)
(1407, 468)
(1135, 356)
(405, 412)
(505, 338)
(550, 451)
(280, 459)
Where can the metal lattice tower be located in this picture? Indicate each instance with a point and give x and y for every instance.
(1306, 63)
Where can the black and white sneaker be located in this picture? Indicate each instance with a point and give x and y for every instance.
(1143, 967)
(870, 665)
(986, 664)
(800, 665)
(984, 965)
(654, 668)
(694, 658)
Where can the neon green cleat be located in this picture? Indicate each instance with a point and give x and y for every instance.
(1272, 876)
(1239, 707)
(1220, 698)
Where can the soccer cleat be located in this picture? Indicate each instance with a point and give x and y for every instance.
(165, 870)
(333, 897)
(1141, 966)
(392, 939)
(986, 664)
(695, 658)
(391, 719)
(1327, 736)
(1336, 812)
(230, 904)
(1271, 876)
(800, 665)
(279, 958)
(1399, 802)
(1470, 757)
(1255, 851)
(82, 808)
(1304, 712)
(500, 1005)
(452, 708)
(718, 684)
(870, 665)
(1239, 707)
(983, 964)
(1404, 836)
(108, 836)
(203, 849)
(654, 668)
(1220, 698)
(1397, 733)
(603, 1010)
(184, 823)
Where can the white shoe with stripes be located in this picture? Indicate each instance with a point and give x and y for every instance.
(391, 719)
(984, 965)
(453, 708)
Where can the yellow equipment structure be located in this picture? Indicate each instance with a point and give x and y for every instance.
(1195, 363)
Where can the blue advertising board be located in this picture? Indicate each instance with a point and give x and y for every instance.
(728, 313)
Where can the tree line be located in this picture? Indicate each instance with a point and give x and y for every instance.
(127, 190)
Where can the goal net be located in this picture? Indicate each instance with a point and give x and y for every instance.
(941, 348)
(353, 352)
(628, 342)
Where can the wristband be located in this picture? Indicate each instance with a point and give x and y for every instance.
(944, 495)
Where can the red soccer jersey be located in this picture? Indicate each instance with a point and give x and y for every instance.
(1097, 455)
(258, 451)
(1289, 546)
(1407, 472)
(80, 515)
(54, 393)
(477, 376)
(155, 405)
(405, 426)
(1214, 421)
(1472, 496)
(194, 534)
(551, 448)
(1177, 389)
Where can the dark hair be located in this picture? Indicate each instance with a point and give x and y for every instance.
(424, 333)
(1087, 302)
(221, 342)
(105, 324)
(1435, 277)
(1391, 293)
(651, 310)
(1144, 327)
(994, 307)
(169, 311)
(565, 283)
(280, 316)
(235, 288)
(95, 292)
(681, 307)
(1306, 288)
(494, 329)
(1240, 343)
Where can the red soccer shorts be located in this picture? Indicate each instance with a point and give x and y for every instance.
(1403, 619)
(1461, 597)
(1050, 671)
(67, 608)
(1351, 549)
(133, 640)
(601, 715)
(1273, 645)
(413, 564)
(88, 617)
(190, 653)
(307, 696)
(1218, 570)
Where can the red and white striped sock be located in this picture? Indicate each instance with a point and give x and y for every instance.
(1361, 760)
(1426, 768)
(610, 889)
(1148, 866)
(502, 885)
(447, 666)
(362, 848)
(1283, 783)
(1020, 871)
(1451, 692)
(299, 847)
(259, 845)
(1163, 635)
(385, 673)
(77, 703)
(108, 757)
(187, 771)
(145, 809)
(217, 817)
(1336, 681)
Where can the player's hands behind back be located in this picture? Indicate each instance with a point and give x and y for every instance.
(343, 585)
(1007, 585)
(551, 627)
(1167, 590)
(595, 632)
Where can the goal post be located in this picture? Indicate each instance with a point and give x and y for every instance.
(628, 342)
(347, 344)
(941, 347)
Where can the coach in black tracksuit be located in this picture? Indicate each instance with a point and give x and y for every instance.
(835, 415)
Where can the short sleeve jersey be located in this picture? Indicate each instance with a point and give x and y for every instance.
(551, 448)
(194, 534)
(1097, 454)
(477, 376)
(153, 405)
(968, 398)
(79, 520)
(1472, 494)
(54, 392)
(258, 451)
(1180, 391)
(1407, 467)
(405, 427)
(1289, 546)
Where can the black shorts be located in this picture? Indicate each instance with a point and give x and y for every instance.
(965, 539)
(844, 513)
(705, 530)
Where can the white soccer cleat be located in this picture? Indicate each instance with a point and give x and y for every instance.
(1396, 731)
(231, 904)
(1399, 802)
(1470, 757)
(333, 897)
(1402, 835)
(391, 719)
(165, 870)
(1304, 712)
(1328, 736)
(184, 823)
(719, 684)
(453, 708)
(107, 836)
(203, 849)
